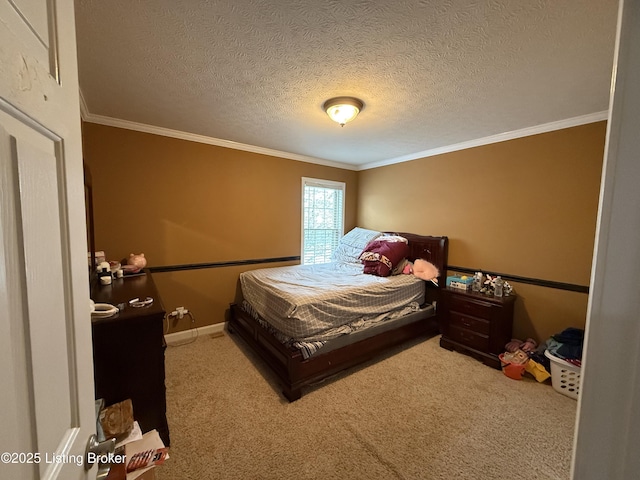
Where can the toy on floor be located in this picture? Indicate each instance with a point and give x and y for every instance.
(516, 360)
(514, 363)
(537, 370)
(528, 346)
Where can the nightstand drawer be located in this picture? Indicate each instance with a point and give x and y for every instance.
(469, 338)
(470, 307)
(477, 325)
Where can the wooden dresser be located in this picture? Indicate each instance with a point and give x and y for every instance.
(128, 351)
(476, 324)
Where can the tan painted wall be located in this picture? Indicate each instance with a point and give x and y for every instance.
(182, 202)
(526, 207)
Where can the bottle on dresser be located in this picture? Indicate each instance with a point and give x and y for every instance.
(476, 286)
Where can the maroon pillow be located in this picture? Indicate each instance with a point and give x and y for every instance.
(380, 256)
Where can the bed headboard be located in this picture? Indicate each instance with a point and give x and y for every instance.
(431, 249)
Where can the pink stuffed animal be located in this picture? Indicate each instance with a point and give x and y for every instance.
(137, 260)
(426, 270)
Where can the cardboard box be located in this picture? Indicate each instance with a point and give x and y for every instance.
(150, 440)
(134, 443)
(147, 474)
(118, 472)
(457, 281)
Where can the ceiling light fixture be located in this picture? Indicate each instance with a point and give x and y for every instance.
(343, 109)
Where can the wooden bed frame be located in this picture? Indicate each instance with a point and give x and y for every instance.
(294, 372)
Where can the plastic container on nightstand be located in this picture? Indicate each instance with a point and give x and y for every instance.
(476, 286)
(499, 287)
(459, 282)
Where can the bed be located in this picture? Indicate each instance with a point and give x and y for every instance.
(306, 330)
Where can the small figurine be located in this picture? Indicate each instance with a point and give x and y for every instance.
(137, 260)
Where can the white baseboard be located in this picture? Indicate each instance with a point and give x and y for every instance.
(188, 334)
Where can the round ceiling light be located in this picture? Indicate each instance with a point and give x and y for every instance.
(343, 109)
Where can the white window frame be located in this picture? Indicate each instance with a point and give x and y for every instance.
(330, 184)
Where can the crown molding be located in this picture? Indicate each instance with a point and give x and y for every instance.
(501, 137)
(167, 132)
(84, 110)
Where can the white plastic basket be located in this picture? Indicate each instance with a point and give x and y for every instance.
(565, 377)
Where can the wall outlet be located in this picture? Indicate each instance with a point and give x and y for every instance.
(179, 313)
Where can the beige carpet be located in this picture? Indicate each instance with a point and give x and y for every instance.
(421, 413)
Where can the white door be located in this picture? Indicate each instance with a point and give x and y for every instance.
(607, 439)
(46, 384)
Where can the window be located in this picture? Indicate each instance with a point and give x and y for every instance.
(322, 219)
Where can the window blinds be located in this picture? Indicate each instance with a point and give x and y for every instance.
(322, 219)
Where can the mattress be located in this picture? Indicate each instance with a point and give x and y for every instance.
(318, 302)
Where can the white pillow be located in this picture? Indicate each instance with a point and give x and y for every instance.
(393, 238)
(350, 246)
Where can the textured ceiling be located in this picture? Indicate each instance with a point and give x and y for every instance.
(431, 73)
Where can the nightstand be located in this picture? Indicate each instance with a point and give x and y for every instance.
(476, 324)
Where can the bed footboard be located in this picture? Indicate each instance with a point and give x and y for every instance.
(277, 356)
(294, 372)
